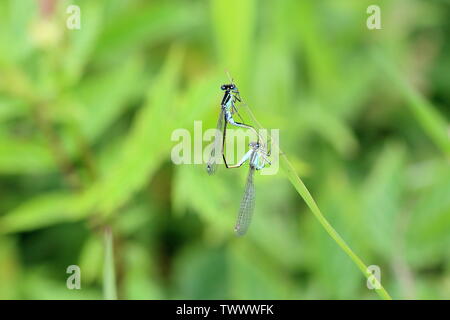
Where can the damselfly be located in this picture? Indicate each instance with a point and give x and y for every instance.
(227, 110)
(257, 157)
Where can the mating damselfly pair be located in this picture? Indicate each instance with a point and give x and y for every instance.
(257, 155)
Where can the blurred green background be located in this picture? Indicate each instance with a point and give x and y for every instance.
(86, 118)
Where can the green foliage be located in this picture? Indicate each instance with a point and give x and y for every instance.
(87, 116)
(109, 273)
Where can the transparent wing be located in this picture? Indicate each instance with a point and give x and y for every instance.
(216, 151)
(247, 205)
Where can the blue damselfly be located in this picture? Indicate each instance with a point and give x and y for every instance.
(227, 111)
(257, 157)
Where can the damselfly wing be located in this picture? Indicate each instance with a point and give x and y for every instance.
(216, 151)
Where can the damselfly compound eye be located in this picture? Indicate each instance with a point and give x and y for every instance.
(223, 87)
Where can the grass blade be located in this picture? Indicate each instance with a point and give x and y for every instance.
(109, 276)
(432, 122)
(298, 184)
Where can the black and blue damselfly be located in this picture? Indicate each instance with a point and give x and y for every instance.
(227, 111)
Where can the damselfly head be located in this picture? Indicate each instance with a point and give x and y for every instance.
(254, 145)
(228, 87)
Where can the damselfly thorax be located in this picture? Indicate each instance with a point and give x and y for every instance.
(257, 157)
(230, 97)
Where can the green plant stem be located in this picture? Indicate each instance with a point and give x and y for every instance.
(311, 203)
(109, 277)
(306, 195)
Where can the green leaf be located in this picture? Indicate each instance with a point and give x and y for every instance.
(109, 275)
(82, 41)
(140, 281)
(200, 274)
(331, 128)
(146, 145)
(382, 197)
(427, 235)
(24, 157)
(17, 24)
(10, 269)
(252, 275)
(428, 117)
(138, 26)
(91, 260)
(101, 99)
(40, 284)
(234, 33)
(40, 211)
(11, 108)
